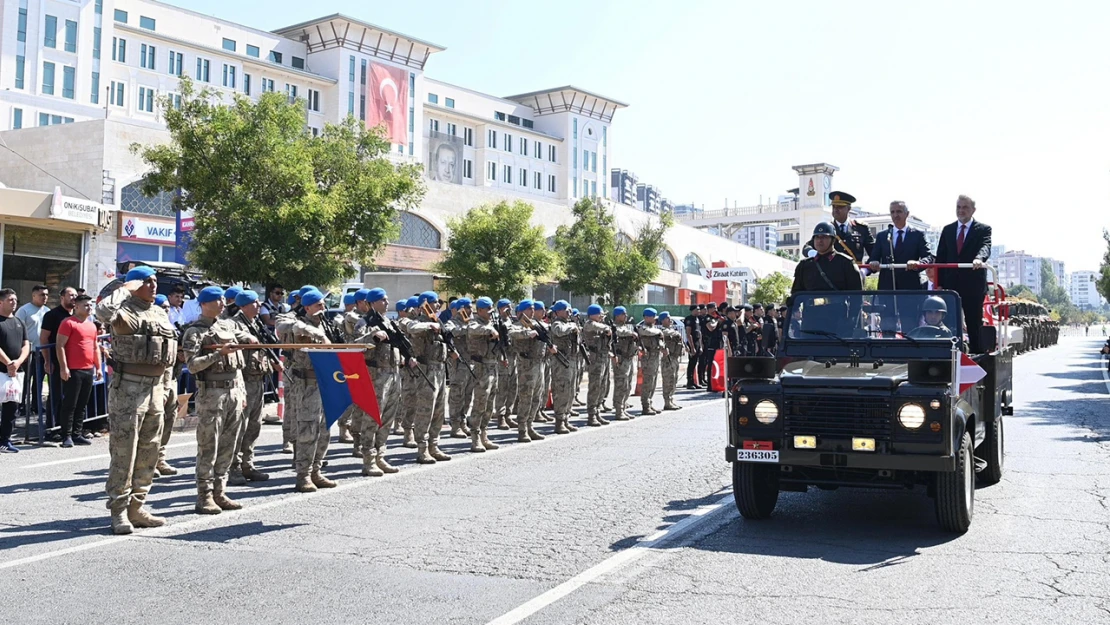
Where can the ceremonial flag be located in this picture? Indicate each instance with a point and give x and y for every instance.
(387, 101)
(969, 373)
(717, 373)
(343, 379)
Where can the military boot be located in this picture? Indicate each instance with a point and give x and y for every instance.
(621, 415)
(476, 446)
(410, 440)
(510, 422)
(382, 464)
(254, 475)
(592, 421)
(221, 499)
(320, 481)
(487, 443)
(670, 405)
(458, 430)
(164, 469)
(356, 438)
(502, 422)
(345, 434)
(120, 523)
(569, 425)
(522, 436)
(435, 452)
(205, 505)
(287, 447)
(235, 477)
(140, 517)
(369, 467)
(561, 425)
(397, 429)
(533, 434)
(422, 455)
(304, 484)
(602, 420)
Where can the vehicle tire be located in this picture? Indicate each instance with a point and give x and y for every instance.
(956, 491)
(993, 452)
(755, 487)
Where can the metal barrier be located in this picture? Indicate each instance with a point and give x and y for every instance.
(32, 393)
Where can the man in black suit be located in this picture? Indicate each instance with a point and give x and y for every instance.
(850, 238)
(966, 241)
(901, 244)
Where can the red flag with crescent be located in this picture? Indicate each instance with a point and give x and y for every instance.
(387, 101)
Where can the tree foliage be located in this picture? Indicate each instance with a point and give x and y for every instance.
(270, 202)
(595, 262)
(1023, 292)
(494, 250)
(1056, 297)
(1103, 284)
(772, 289)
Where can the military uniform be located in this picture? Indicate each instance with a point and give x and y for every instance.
(651, 338)
(693, 342)
(256, 366)
(481, 346)
(529, 352)
(310, 431)
(410, 387)
(827, 272)
(624, 369)
(169, 412)
(383, 362)
(564, 373)
(670, 363)
(461, 383)
(850, 238)
(430, 402)
(598, 339)
(144, 345)
(580, 360)
(506, 377)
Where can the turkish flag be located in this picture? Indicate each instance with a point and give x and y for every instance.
(969, 373)
(387, 101)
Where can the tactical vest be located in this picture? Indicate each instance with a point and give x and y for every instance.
(219, 333)
(153, 343)
(651, 338)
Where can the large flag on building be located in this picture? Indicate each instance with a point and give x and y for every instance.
(343, 379)
(387, 101)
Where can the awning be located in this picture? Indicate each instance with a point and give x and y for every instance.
(40, 209)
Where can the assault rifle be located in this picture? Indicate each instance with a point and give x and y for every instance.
(544, 337)
(396, 338)
(448, 338)
(264, 335)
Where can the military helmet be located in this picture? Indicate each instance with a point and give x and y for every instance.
(934, 304)
(824, 229)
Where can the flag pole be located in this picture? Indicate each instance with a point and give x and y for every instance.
(954, 392)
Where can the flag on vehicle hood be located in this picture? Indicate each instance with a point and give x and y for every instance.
(343, 379)
(968, 373)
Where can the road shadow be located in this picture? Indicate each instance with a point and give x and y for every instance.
(228, 533)
(52, 531)
(32, 487)
(1091, 414)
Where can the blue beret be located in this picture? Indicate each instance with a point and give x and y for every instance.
(524, 305)
(664, 315)
(428, 296)
(360, 295)
(412, 302)
(232, 292)
(308, 287)
(574, 311)
(245, 298)
(594, 309)
(560, 305)
(293, 297)
(312, 297)
(159, 300)
(210, 294)
(349, 299)
(454, 305)
(463, 302)
(538, 305)
(445, 316)
(619, 310)
(375, 295)
(650, 312)
(503, 302)
(401, 306)
(139, 273)
(484, 303)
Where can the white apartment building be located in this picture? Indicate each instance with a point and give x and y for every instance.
(1083, 290)
(81, 80)
(762, 237)
(1019, 268)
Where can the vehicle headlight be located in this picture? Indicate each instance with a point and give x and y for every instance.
(766, 412)
(911, 416)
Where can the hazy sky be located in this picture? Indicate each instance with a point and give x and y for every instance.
(1004, 101)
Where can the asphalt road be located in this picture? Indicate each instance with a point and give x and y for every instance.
(630, 523)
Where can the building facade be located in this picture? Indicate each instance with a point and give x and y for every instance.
(1083, 290)
(622, 187)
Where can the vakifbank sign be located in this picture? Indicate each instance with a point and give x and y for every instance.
(145, 230)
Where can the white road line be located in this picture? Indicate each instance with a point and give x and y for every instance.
(1106, 372)
(614, 562)
(192, 443)
(174, 529)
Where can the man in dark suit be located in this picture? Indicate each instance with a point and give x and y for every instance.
(850, 237)
(901, 244)
(966, 241)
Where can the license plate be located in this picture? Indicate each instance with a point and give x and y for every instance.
(752, 455)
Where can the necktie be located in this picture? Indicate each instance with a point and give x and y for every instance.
(960, 239)
(898, 242)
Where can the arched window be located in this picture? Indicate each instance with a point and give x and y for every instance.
(132, 200)
(666, 260)
(418, 232)
(624, 239)
(692, 264)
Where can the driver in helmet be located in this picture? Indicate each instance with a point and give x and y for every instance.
(934, 310)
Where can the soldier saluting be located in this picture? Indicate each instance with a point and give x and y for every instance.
(849, 236)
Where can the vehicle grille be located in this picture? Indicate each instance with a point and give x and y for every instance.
(838, 416)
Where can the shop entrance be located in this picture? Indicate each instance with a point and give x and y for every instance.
(34, 256)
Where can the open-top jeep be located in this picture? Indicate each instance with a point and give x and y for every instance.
(867, 393)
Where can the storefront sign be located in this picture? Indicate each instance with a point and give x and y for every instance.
(694, 282)
(147, 230)
(184, 236)
(732, 274)
(76, 210)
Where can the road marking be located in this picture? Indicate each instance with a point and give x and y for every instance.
(96, 457)
(1106, 372)
(172, 529)
(614, 562)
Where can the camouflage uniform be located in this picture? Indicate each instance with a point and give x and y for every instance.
(672, 342)
(169, 410)
(144, 344)
(310, 431)
(219, 400)
(382, 361)
(348, 429)
(282, 330)
(486, 362)
(409, 391)
(429, 404)
(624, 370)
(580, 359)
(564, 336)
(529, 354)
(506, 381)
(461, 393)
(651, 338)
(257, 366)
(598, 339)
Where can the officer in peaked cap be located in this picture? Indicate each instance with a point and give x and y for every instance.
(849, 237)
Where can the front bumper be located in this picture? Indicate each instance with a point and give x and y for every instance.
(902, 459)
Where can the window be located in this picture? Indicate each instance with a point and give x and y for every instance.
(99, 7)
(604, 136)
(119, 49)
(229, 76)
(537, 150)
(95, 96)
(412, 111)
(315, 131)
(433, 98)
(69, 77)
(20, 69)
(491, 174)
(499, 116)
(298, 62)
(593, 188)
(247, 84)
(203, 65)
(574, 186)
(452, 129)
(71, 36)
(17, 119)
(491, 140)
(593, 162)
(121, 16)
(229, 44)
(146, 22)
(175, 101)
(513, 119)
(267, 84)
(314, 100)
(692, 264)
(524, 147)
(551, 183)
(575, 153)
(48, 78)
(291, 92)
(433, 125)
(50, 32)
(468, 169)
(468, 137)
(115, 94)
(528, 123)
(252, 51)
(362, 98)
(96, 42)
(523, 177)
(585, 188)
(146, 99)
(177, 63)
(585, 159)
(21, 32)
(146, 56)
(508, 177)
(538, 180)
(660, 295)
(575, 127)
(551, 153)
(275, 57)
(508, 142)
(449, 103)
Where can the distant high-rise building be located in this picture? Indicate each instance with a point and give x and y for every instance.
(622, 187)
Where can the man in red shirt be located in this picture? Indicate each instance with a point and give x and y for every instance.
(78, 366)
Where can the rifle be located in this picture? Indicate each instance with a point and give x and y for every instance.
(502, 337)
(394, 337)
(448, 338)
(545, 337)
(264, 336)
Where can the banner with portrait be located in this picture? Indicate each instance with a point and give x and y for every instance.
(445, 158)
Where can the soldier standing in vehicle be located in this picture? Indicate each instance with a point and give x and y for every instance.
(829, 270)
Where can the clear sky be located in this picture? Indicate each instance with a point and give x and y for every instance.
(1008, 102)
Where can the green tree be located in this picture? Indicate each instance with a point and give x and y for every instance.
(1103, 285)
(271, 202)
(1023, 292)
(772, 289)
(785, 254)
(494, 250)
